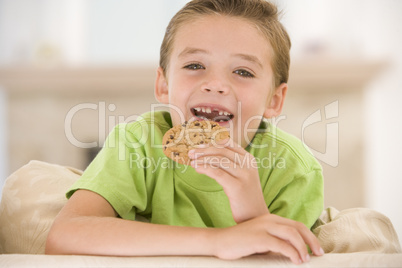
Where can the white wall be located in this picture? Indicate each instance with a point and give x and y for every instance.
(86, 32)
(372, 30)
(383, 113)
(128, 33)
(3, 139)
(42, 32)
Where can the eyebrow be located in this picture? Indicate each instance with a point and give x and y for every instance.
(192, 50)
(250, 58)
(247, 57)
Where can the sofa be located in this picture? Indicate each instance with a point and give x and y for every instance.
(33, 195)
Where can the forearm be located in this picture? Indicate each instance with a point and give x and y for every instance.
(94, 229)
(89, 235)
(116, 237)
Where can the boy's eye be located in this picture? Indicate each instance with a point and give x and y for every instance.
(244, 73)
(194, 66)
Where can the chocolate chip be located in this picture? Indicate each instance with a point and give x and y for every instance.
(196, 124)
(171, 137)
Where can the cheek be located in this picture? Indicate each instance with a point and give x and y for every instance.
(178, 98)
(180, 84)
(177, 114)
(253, 104)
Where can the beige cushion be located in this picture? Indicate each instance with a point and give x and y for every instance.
(356, 230)
(34, 194)
(31, 199)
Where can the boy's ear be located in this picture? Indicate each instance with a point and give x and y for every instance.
(161, 87)
(275, 105)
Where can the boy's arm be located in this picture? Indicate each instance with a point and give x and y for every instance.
(88, 225)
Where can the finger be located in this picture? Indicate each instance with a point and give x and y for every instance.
(293, 237)
(213, 170)
(222, 143)
(211, 151)
(280, 246)
(201, 146)
(308, 237)
(231, 145)
(237, 157)
(233, 167)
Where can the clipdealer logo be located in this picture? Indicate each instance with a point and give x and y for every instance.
(330, 112)
(331, 154)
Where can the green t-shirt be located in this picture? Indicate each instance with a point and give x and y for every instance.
(136, 178)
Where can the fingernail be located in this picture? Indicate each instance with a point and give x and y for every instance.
(201, 146)
(191, 153)
(307, 258)
(322, 251)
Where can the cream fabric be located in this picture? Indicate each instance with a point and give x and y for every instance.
(34, 194)
(264, 260)
(32, 197)
(356, 230)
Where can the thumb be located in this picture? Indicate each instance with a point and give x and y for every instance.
(223, 143)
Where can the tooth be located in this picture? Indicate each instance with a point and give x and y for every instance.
(226, 113)
(203, 110)
(197, 109)
(208, 110)
(220, 113)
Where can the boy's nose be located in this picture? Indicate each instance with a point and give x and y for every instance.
(220, 91)
(216, 86)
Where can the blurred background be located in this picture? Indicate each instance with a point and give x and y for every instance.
(72, 69)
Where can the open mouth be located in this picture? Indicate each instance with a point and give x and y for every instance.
(213, 114)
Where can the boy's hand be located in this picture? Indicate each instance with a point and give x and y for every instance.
(264, 234)
(236, 171)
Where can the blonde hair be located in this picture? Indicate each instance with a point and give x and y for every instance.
(262, 14)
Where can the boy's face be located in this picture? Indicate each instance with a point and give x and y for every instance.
(219, 69)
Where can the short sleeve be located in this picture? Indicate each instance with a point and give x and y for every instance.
(110, 175)
(301, 199)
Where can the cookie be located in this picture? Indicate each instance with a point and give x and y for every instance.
(180, 139)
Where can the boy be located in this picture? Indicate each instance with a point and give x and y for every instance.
(223, 60)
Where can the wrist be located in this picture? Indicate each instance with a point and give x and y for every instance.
(213, 241)
(251, 214)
